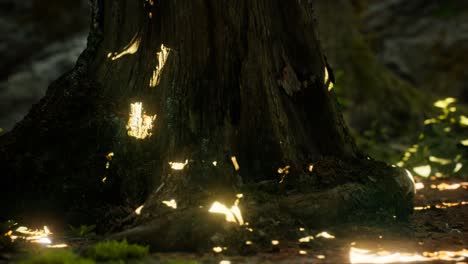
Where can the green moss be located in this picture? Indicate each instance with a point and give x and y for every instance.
(56, 256)
(116, 250)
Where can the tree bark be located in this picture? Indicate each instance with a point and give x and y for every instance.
(218, 80)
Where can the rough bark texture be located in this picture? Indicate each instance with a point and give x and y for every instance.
(242, 78)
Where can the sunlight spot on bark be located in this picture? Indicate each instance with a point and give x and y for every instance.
(234, 163)
(424, 171)
(139, 123)
(109, 157)
(131, 48)
(162, 58)
(306, 239)
(325, 234)
(302, 252)
(138, 210)
(172, 203)
(326, 79)
(357, 255)
(218, 249)
(275, 242)
(178, 165)
(232, 214)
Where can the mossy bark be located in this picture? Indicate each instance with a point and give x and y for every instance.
(242, 78)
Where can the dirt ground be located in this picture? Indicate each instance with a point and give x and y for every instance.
(435, 233)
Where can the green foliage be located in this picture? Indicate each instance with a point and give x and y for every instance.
(116, 250)
(54, 256)
(442, 148)
(86, 231)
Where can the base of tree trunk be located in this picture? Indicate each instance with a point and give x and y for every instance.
(274, 210)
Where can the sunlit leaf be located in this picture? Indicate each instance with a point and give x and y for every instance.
(424, 171)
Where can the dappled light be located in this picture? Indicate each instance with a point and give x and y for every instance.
(131, 48)
(37, 236)
(325, 234)
(139, 123)
(161, 58)
(232, 214)
(178, 165)
(171, 203)
(138, 210)
(358, 255)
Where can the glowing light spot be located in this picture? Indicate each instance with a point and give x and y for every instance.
(311, 168)
(225, 262)
(464, 142)
(248, 242)
(301, 229)
(234, 163)
(39, 236)
(215, 163)
(306, 239)
(57, 246)
(463, 121)
(138, 210)
(104, 180)
(178, 165)
(325, 235)
(218, 249)
(131, 48)
(172, 203)
(458, 167)
(139, 124)
(423, 171)
(440, 160)
(445, 102)
(275, 242)
(302, 252)
(419, 185)
(445, 186)
(232, 215)
(284, 170)
(357, 255)
(321, 256)
(162, 58)
(109, 157)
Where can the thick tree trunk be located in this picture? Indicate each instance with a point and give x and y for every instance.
(224, 84)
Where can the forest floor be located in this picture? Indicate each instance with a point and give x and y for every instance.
(436, 233)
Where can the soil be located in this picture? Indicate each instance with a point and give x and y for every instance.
(438, 226)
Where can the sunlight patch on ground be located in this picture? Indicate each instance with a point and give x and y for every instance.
(424, 171)
(441, 206)
(38, 236)
(357, 255)
(232, 214)
(162, 58)
(139, 123)
(131, 48)
(453, 186)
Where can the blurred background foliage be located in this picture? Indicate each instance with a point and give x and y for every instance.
(396, 62)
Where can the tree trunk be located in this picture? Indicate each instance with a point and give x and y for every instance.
(233, 90)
